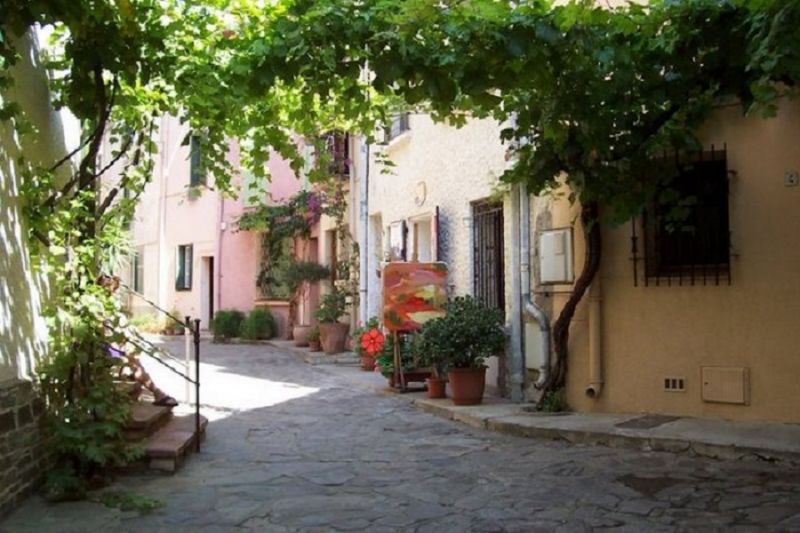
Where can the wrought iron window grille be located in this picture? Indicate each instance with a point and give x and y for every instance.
(693, 250)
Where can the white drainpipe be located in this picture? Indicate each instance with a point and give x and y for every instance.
(595, 342)
(363, 248)
(529, 307)
(517, 373)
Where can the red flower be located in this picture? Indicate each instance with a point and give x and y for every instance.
(372, 341)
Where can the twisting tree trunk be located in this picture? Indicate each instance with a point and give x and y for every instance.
(591, 265)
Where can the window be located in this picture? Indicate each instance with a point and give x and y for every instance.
(196, 174)
(254, 189)
(137, 271)
(183, 268)
(694, 248)
(488, 254)
(398, 126)
(337, 144)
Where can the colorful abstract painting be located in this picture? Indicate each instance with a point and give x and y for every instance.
(413, 293)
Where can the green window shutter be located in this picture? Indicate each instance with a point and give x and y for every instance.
(188, 267)
(183, 267)
(137, 272)
(196, 174)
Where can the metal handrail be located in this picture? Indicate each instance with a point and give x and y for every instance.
(195, 331)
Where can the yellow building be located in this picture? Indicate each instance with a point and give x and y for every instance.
(684, 324)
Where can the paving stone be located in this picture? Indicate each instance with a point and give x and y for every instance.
(292, 447)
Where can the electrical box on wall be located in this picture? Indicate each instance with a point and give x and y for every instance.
(725, 384)
(555, 256)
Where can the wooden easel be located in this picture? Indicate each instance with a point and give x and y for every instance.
(399, 377)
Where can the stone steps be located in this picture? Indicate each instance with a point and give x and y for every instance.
(146, 419)
(167, 439)
(167, 448)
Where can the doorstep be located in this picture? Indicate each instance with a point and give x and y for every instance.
(316, 358)
(719, 439)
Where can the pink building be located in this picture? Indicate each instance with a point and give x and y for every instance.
(189, 256)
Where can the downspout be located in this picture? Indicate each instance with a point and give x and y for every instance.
(218, 265)
(517, 374)
(363, 249)
(595, 342)
(529, 306)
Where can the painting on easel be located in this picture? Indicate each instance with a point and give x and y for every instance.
(413, 293)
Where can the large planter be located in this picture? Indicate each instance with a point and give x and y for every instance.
(300, 334)
(333, 337)
(367, 363)
(436, 387)
(467, 385)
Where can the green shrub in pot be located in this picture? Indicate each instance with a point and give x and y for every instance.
(259, 325)
(461, 341)
(227, 324)
(465, 337)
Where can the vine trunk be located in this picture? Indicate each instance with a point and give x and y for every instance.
(591, 265)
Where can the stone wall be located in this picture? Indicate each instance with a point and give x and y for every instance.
(22, 453)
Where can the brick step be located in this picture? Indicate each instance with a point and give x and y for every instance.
(146, 419)
(167, 448)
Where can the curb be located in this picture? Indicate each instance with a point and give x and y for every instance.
(505, 424)
(317, 358)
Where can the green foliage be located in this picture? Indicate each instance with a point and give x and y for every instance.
(259, 325)
(463, 338)
(555, 401)
(176, 327)
(86, 416)
(227, 324)
(148, 323)
(301, 272)
(314, 334)
(129, 501)
(331, 307)
(409, 358)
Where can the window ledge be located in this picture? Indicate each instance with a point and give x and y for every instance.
(401, 140)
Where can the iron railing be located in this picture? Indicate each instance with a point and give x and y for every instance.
(192, 328)
(695, 250)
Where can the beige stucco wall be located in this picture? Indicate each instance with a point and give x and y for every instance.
(457, 166)
(23, 334)
(652, 332)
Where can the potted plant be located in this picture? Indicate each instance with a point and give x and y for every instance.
(409, 359)
(313, 339)
(296, 276)
(333, 333)
(368, 342)
(430, 355)
(462, 339)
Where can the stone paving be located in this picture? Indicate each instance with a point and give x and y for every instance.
(297, 448)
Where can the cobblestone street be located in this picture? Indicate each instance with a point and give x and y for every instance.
(297, 448)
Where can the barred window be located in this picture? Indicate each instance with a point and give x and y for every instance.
(694, 247)
(489, 254)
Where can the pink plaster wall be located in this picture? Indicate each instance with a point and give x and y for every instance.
(238, 253)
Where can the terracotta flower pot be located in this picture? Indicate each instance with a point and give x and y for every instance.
(333, 337)
(314, 346)
(467, 385)
(367, 363)
(300, 334)
(436, 387)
